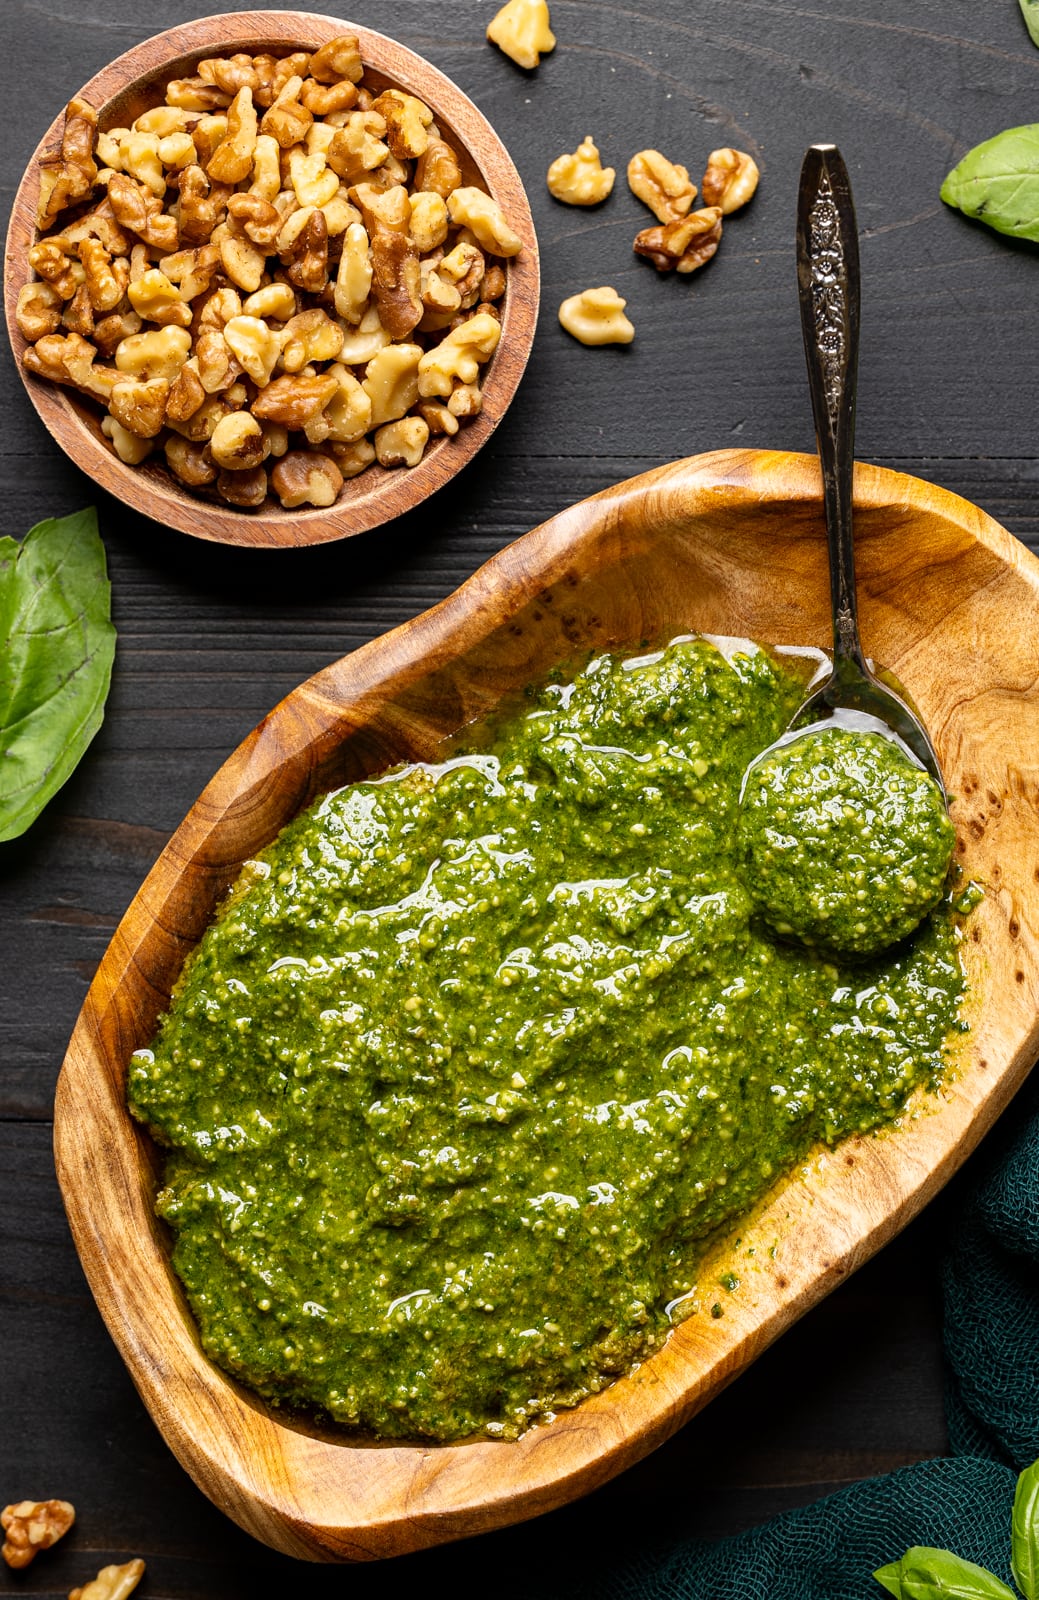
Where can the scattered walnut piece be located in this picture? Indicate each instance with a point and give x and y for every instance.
(522, 31)
(31, 1526)
(684, 245)
(111, 1583)
(661, 185)
(730, 180)
(580, 179)
(596, 316)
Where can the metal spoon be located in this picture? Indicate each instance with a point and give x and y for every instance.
(828, 284)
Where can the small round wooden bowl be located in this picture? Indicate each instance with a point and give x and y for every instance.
(730, 543)
(136, 81)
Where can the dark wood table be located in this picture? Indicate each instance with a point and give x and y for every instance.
(210, 638)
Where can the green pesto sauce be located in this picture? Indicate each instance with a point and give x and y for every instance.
(478, 1057)
(846, 843)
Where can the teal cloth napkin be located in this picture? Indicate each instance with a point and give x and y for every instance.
(829, 1550)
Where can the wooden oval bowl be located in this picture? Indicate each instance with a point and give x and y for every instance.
(126, 88)
(730, 543)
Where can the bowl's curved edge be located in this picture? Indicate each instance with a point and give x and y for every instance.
(389, 494)
(453, 1492)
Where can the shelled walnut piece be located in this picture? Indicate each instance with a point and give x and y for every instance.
(111, 1583)
(31, 1526)
(596, 316)
(580, 179)
(684, 245)
(522, 30)
(256, 253)
(730, 180)
(661, 185)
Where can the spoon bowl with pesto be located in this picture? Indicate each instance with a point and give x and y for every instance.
(843, 832)
(723, 546)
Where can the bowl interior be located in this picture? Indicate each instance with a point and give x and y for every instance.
(730, 543)
(137, 81)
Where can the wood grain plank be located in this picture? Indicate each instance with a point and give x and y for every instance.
(209, 640)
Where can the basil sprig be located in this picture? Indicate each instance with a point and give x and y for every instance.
(926, 1574)
(1030, 12)
(998, 181)
(57, 643)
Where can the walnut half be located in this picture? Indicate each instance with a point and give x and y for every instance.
(661, 185)
(730, 180)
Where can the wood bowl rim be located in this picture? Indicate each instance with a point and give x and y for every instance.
(151, 490)
(453, 1491)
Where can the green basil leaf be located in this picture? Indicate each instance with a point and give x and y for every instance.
(1024, 1526)
(1030, 12)
(890, 1578)
(56, 648)
(998, 182)
(939, 1575)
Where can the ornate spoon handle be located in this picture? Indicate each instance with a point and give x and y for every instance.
(828, 283)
